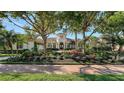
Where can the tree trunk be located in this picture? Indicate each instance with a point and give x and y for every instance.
(17, 48)
(12, 50)
(120, 50)
(76, 41)
(117, 58)
(11, 47)
(45, 45)
(84, 43)
(112, 47)
(4, 49)
(35, 47)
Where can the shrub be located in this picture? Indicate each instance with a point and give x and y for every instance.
(27, 53)
(66, 55)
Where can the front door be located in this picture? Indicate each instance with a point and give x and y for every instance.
(61, 45)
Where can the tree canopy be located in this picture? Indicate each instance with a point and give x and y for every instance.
(44, 23)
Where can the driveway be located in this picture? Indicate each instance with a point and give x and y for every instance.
(63, 69)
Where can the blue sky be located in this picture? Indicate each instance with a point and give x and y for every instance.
(10, 26)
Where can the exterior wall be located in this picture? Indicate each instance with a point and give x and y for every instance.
(51, 43)
(122, 49)
(40, 47)
(30, 45)
(55, 43)
(25, 46)
(116, 48)
(14, 47)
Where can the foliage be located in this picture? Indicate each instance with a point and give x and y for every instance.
(29, 53)
(8, 38)
(44, 23)
(113, 27)
(41, 22)
(80, 22)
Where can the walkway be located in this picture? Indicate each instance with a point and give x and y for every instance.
(63, 69)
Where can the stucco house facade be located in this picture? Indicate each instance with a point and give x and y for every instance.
(58, 42)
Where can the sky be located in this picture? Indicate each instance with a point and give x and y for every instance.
(10, 26)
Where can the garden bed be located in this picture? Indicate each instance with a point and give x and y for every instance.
(55, 58)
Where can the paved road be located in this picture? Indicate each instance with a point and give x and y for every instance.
(63, 69)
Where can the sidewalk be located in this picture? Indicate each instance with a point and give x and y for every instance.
(63, 69)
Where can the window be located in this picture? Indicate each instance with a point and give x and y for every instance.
(54, 45)
(49, 45)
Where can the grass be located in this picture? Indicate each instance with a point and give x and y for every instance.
(40, 63)
(104, 77)
(38, 77)
(57, 63)
(5, 55)
(56, 77)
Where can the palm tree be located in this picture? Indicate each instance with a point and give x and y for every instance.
(72, 24)
(20, 40)
(3, 43)
(75, 31)
(8, 38)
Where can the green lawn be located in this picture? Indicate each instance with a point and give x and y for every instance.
(55, 77)
(40, 63)
(6, 55)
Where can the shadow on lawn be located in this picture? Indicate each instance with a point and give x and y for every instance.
(101, 69)
(104, 77)
(102, 73)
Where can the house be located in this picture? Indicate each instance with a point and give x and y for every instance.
(58, 42)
